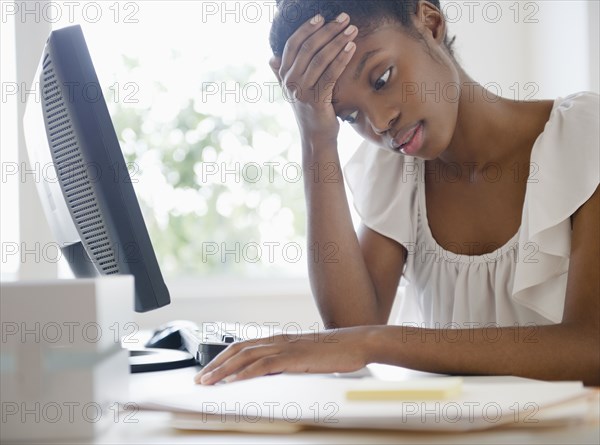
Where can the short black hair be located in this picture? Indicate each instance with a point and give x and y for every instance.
(365, 14)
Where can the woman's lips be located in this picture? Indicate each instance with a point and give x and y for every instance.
(410, 141)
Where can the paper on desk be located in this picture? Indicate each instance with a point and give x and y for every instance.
(314, 400)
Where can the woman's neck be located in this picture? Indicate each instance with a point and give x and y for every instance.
(490, 128)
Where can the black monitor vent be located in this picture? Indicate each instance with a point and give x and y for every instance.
(73, 175)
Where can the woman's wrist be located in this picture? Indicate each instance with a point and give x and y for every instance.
(314, 146)
(319, 152)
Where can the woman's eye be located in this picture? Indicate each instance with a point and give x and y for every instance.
(351, 118)
(380, 83)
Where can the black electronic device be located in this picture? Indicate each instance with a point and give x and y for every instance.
(89, 200)
(202, 344)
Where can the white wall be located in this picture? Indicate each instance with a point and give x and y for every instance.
(9, 199)
(34, 233)
(594, 39)
(548, 42)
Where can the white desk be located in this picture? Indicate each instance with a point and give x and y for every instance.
(150, 427)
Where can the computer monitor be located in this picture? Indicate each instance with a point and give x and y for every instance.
(86, 190)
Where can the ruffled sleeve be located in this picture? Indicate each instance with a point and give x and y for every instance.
(383, 185)
(564, 173)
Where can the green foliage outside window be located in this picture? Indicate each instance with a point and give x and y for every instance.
(221, 192)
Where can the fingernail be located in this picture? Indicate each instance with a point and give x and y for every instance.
(316, 19)
(350, 30)
(197, 378)
(342, 17)
(349, 46)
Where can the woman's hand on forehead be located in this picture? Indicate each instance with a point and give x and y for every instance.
(313, 59)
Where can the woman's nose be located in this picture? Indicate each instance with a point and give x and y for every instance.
(382, 122)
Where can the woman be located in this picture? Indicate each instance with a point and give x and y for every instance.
(488, 207)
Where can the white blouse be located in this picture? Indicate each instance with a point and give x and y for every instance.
(521, 282)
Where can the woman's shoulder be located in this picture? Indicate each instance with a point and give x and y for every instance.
(564, 173)
(374, 168)
(581, 110)
(565, 160)
(581, 98)
(573, 126)
(384, 190)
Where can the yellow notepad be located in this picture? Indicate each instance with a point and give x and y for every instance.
(435, 388)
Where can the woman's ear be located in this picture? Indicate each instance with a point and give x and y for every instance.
(430, 21)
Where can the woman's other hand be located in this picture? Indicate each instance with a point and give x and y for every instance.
(335, 350)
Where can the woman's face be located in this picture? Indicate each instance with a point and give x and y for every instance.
(399, 94)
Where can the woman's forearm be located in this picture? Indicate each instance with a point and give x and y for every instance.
(553, 352)
(339, 278)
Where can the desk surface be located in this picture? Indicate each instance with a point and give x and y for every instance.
(151, 427)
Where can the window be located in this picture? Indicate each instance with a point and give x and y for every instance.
(211, 144)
